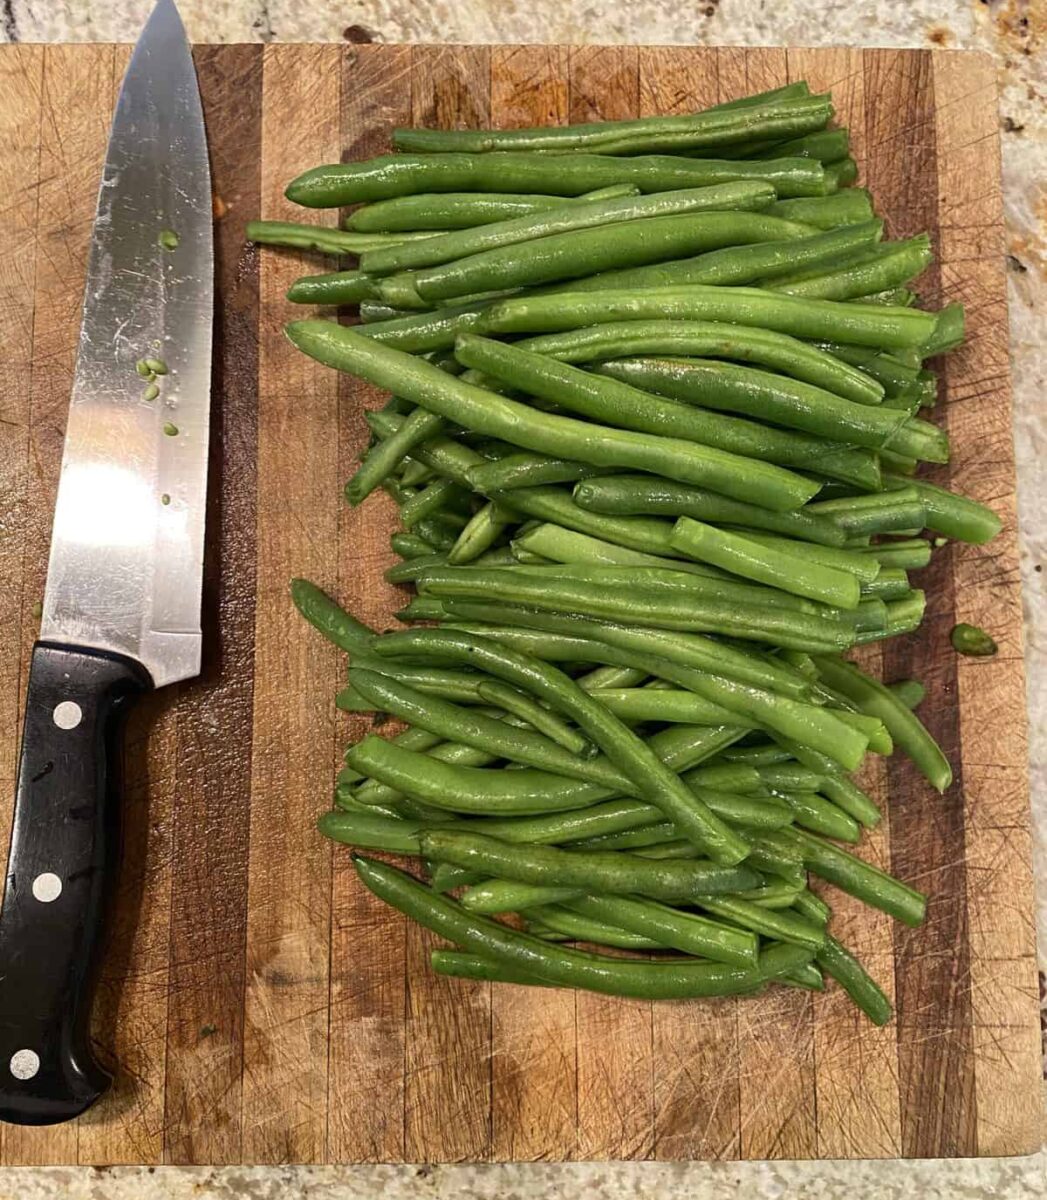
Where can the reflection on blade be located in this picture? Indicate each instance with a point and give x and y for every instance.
(127, 544)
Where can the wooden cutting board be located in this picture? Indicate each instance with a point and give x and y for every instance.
(261, 1006)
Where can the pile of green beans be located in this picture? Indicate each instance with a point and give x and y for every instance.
(654, 441)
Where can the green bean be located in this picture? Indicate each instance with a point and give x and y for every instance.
(864, 567)
(782, 401)
(705, 130)
(894, 264)
(890, 584)
(765, 564)
(859, 879)
(625, 407)
(843, 792)
(761, 755)
(691, 650)
(669, 577)
(766, 248)
(841, 174)
(655, 782)
(579, 928)
(790, 777)
(544, 721)
(610, 817)
(321, 237)
(879, 739)
(908, 554)
(571, 216)
(827, 145)
(812, 908)
(386, 176)
(330, 618)
(903, 616)
(421, 608)
(461, 210)
(411, 568)
(476, 790)
(372, 312)
(897, 378)
(419, 426)
(774, 893)
(424, 332)
(819, 815)
(710, 339)
(483, 529)
(949, 514)
(571, 545)
(446, 877)
(581, 535)
(437, 532)
(622, 405)
(848, 972)
(845, 207)
(743, 811)
(813, 726)
(904, 726)
(525, 470)
(783, 862)
(643, 704)
(511, 895)
(460, 965)
(410, 545)
(434, 683)
(909, 691)
(431, 499)
(335, 287)
(371, 832)
(780, 925)
(672, 928)
(879, 512)
(948, 331)
(814, 319)
(474, 966)
(971, 640)
(591, 871)
(632, 495)
(565, 256)
(560, 965)
(342, 348)
(664, 609)
(787, 91)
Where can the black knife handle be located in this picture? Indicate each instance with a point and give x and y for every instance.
(63, 858)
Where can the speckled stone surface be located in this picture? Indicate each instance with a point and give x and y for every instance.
(1015, 31)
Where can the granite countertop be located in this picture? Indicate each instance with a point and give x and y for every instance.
(1015, 32)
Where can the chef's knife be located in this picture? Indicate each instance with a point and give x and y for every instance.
(121, 611)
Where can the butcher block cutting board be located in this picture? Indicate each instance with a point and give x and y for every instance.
(261, 1006)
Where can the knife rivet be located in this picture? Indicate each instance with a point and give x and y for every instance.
(67, 715)
(47, 887)
(24, 1064)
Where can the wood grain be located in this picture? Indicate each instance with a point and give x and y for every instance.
(205, 1012)
(21, 89)
(855, 1063)
(366, 1083)
(447, 1062)
(262, 1006)
(535, 1046)
(289, 888)
(697, 1088)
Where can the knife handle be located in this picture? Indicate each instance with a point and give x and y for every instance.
(63, 857)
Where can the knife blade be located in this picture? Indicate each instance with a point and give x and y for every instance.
(121, 609)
